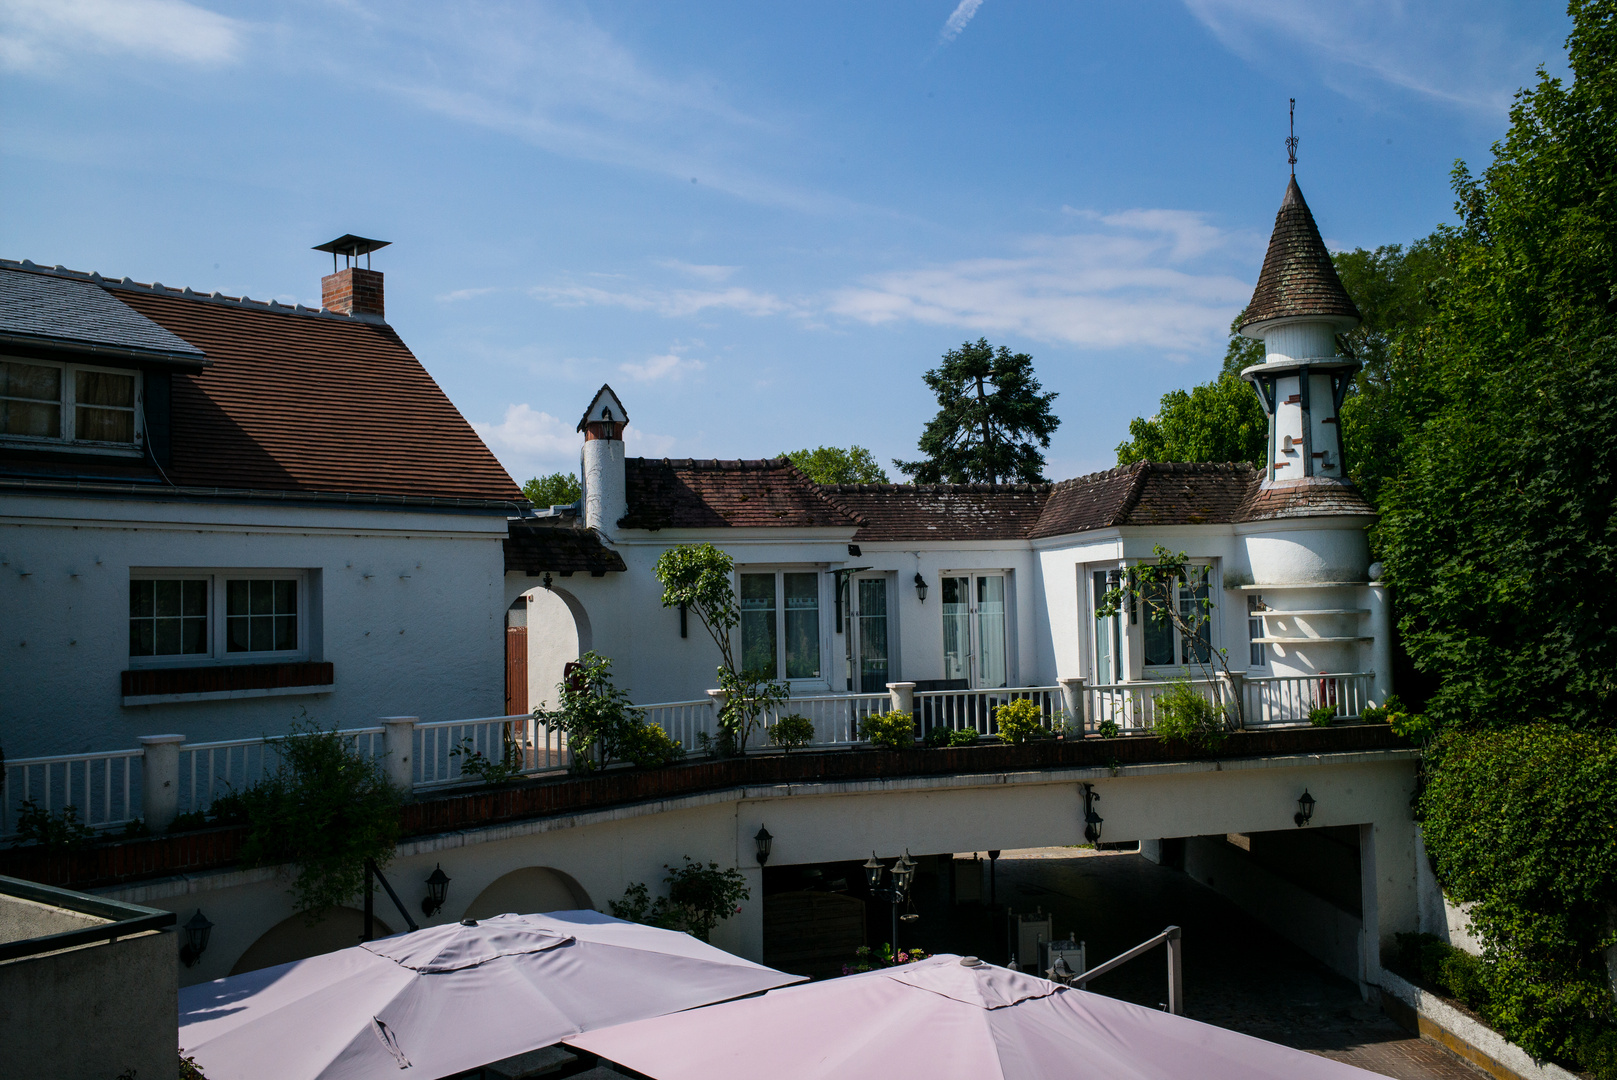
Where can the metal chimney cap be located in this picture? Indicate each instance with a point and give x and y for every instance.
(352, 246)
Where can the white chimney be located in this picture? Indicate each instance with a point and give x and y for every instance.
(605, 498)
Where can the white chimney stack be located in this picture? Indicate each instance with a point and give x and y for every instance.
(605, 498)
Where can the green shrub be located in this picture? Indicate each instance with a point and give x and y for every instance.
(942, 736)
(649, 746)
(699, 898)
(1019, 721)
(60, 831)
(1383, 713)
(327, 810)
(601, 724)
(1453, 971)
(791, 732)
(1322, 715)
(1107, 728)
(894, 730)
(510, 764)
(1185, 716)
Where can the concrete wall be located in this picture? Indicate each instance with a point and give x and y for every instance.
(1438, 916)
(409, 606)
(603, 852)
(92, 1012)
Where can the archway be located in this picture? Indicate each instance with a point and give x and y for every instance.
(558, 634)
(294, 939)
(529, 890)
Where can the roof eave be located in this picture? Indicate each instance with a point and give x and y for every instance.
(180, 361)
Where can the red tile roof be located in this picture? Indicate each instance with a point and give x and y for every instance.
(686, 494)
(1298, 277)
(302, 401)
(1149, 493)
(1317, 496)
(937, 512)
(565, 549)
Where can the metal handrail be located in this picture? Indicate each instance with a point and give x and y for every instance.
(1176, 976)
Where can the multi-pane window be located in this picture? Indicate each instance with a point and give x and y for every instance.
(1254, 631)
(261, 615)
(67, 403)
(1167, 644)
(168, 617)
(780, 624)
(974, 629)
(215, 615)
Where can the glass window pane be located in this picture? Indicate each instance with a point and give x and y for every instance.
(141, 639)
(261, 633)
(168, 598)
(873, 664)
(286, 597)
(194, 598)
(103, 388)
(991, 631)
(802, 625)
(36, 382)
(286, 632)
(236, 598)
(262, 597)
(103, 425)
(194, 636)
(236, 638)
(1157, 626)
(759, 643)
(1194, 610)
(140, 599)
(25, 418)
(956, 630)
(168, 637)
(1104, 628)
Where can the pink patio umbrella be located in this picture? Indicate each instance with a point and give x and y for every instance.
(450, 998)
(941, 1018)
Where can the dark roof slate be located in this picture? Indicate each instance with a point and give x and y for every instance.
(312, 402)
(683, 493)
(1314, 497)
(1298, 278)
(79, 311)
(937, 512)
(562, 549)
(1149, 493)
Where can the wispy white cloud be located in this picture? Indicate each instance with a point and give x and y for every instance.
(1470, 53)
(958, 20)
(1143, 278)
(40, 35)
(671, 303)
(669, 365)
(697, 270)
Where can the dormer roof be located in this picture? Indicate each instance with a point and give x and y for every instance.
(1298, 279)
(604, 408)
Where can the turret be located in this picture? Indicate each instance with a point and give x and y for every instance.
(1297, 310)
(605, 500)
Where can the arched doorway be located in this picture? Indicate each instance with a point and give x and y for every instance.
(294, 939)
(558, 634)
(529, 890)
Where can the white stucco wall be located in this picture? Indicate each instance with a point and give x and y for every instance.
(408, 606)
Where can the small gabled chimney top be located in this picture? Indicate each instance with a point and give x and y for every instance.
(352, 289)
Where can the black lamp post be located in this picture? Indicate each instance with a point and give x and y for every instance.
(1305, 809)
(765, 842)
(197, 931)
(921, 586)
(437, 889)
(895, 894)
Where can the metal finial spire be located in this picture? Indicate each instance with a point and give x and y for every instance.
(1291, 139)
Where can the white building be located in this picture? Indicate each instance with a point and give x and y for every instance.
(847, 588)
(219, 515)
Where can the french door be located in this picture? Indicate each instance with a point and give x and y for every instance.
(974, 630)
(871, 647)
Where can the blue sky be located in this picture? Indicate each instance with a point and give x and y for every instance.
(760, 222)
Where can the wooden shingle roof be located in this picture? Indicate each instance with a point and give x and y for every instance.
(1298, 277)
(934, 512)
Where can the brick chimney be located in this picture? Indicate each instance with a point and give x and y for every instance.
(352, 289)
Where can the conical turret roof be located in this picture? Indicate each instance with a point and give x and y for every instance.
(1298, 278)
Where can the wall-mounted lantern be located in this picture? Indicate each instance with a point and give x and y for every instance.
(549, 581)
(1092, 820)
(437, 890)
(1305, 809)
(764, 842)
(921, 586)
(197, 931)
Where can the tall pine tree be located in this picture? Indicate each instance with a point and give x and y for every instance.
(993, 422)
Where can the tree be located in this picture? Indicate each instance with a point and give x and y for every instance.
(699, 898)
(557, 489)
(834, 465)
(1220, 420)
(698, 577)
(992, 421)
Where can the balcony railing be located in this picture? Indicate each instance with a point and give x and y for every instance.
(166, 776)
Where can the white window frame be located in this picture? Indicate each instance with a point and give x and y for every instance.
(974, 668)
(822, 681)
(67, 441)
(218, 641)
(1181, 666)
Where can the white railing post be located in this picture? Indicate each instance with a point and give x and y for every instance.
(398, 744)
(160, 780)
(1381, 647)
(903, 696)
(1234, 688)
(1072, 702)
(718, 698)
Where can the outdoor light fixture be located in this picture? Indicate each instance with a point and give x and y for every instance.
(920, 586)
(765, 841)
(853, 549)
(1305, 809)
(548, 579)
(873, 870)
(437, 889)
(896, 894)
(197, 931)
(1092, 820)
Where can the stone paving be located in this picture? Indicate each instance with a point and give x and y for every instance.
(1237, 974)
